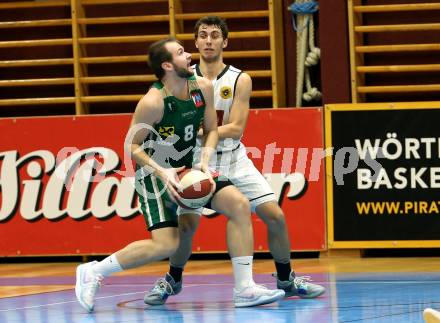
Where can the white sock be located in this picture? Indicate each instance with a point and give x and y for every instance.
(107, 266)
(242, 267)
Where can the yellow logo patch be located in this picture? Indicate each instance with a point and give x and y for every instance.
(226, 92)
(166, 131)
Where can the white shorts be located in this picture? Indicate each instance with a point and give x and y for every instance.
(240, 170)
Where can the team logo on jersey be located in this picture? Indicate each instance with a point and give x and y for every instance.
(189, 115)
(198, 99)
(226, 92)
(166, 131)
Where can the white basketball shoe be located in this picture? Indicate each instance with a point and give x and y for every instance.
(256, 295)
(87, 285)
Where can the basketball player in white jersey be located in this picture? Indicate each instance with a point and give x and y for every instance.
(232, 90)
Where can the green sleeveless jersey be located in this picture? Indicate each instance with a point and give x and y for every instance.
(174, 138)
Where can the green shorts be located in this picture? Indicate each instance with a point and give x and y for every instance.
(159, 210)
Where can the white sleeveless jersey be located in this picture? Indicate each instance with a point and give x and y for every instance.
(224, 91)
(231, 159)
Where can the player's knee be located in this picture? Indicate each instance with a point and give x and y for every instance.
(276, 218)
(166, 245)
(241, 206)
(169, 248)
(188, 225)
(272, 215)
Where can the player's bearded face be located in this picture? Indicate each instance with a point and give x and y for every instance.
(182, 72)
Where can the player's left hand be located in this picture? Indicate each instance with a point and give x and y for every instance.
(204, 168)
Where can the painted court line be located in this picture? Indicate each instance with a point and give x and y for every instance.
(66, 302)
(102, 297)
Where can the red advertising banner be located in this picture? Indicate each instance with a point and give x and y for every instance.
(56, 200)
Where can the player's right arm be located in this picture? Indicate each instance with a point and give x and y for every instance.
(239, 109)
(149, 112)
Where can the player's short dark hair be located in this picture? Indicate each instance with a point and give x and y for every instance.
(212, 21)
(158, 53)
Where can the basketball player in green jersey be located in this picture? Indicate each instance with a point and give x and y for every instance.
(232, 91)
(169, 116)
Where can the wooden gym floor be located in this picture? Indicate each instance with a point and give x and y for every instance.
(358, 290)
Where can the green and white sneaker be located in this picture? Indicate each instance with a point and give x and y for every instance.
(163, 288)
(300, 286)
